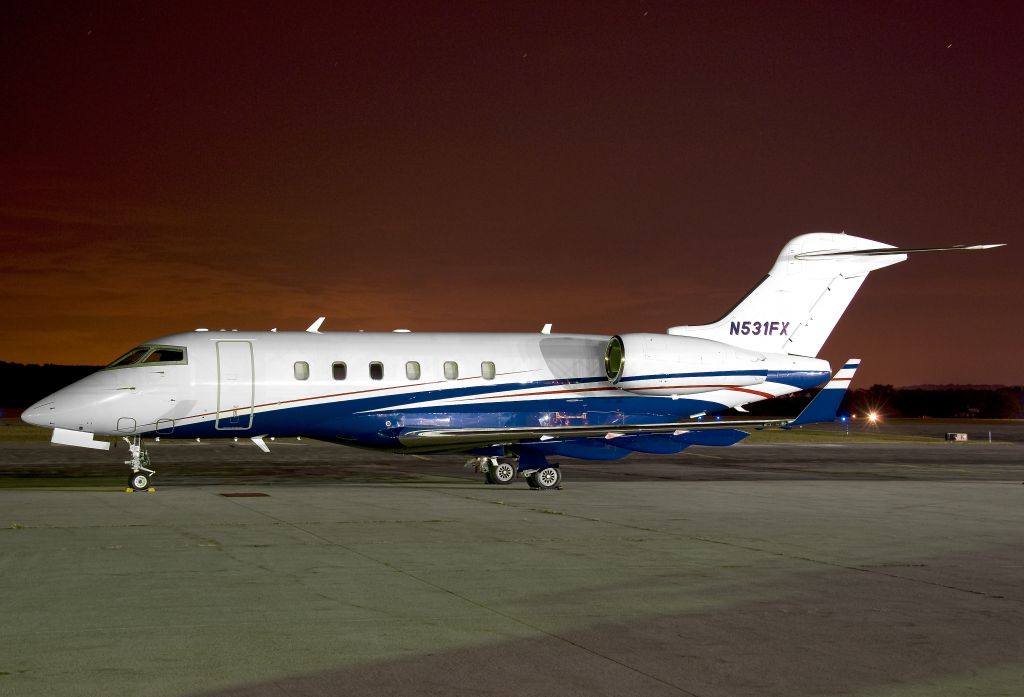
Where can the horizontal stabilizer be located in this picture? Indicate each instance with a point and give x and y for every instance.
(883, 251)
(825, 404)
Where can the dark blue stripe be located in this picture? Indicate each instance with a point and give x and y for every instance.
(379, 426)
(710, 373)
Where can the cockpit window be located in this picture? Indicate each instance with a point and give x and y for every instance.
(152, 355)
(130, 358)
(165, 354)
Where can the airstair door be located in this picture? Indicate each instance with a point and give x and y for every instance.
(234, 385)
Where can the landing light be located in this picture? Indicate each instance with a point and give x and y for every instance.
(873, 417)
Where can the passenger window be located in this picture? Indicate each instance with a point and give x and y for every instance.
(301, 370)
(451, 370)
(376, 370)
(487, 370)
(339, 370)
(412, 370)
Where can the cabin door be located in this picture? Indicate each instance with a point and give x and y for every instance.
(234, 385)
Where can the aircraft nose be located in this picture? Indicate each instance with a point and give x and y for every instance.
(40, 413)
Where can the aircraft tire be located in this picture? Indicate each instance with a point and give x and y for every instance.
(139, 481)
(502, 473)
(546, 479)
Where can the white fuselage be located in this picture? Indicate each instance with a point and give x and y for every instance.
(292, 383)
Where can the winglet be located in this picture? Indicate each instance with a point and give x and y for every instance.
(315, 327)
(825, 404)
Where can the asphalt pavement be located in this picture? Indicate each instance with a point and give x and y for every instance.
(830, 569)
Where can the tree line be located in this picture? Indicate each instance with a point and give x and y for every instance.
(23, 385)
(932, 401)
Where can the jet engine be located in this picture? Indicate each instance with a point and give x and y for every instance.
(663, 365)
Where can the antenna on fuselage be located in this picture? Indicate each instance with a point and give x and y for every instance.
(315, 327)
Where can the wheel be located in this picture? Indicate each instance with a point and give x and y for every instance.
(489, 476)
(140, 482)
(501, 473)
(547, 478)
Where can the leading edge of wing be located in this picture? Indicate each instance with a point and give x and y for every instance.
(447, 437)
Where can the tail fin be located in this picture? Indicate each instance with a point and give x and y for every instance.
(797, 305)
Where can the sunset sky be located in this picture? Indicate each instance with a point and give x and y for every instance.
(607, 167)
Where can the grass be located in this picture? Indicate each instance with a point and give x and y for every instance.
(832, 435)
(17, 431)
(64, 483)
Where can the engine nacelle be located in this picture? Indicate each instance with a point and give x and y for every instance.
(663, 365)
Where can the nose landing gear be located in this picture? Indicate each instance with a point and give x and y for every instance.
(139, 462)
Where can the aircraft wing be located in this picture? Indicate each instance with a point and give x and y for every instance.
(444, 438)
(821, 409)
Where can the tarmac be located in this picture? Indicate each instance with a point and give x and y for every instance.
(790, 569)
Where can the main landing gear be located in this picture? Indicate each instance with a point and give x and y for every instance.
(139, 462)
(503, 470)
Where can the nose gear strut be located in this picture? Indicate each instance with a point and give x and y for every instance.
(140, 464)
